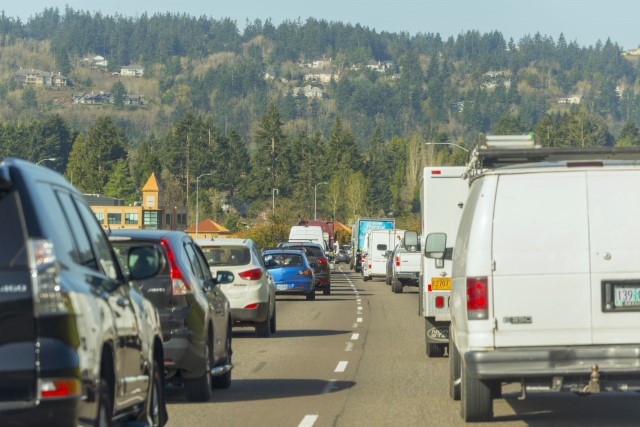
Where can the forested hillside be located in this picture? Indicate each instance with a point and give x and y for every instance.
(293, 105)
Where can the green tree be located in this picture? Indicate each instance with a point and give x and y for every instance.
(119, 93)
(29, 98)
(120, 185)
(629, 135)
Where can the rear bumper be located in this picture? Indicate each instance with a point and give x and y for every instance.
(620, 361)
(184, 351)
(250, 315)
(409, 276)
(64, 412)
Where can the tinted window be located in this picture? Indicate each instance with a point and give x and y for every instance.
(381, 247)
(13, 249)
(100, 243)
(226, 255)
(195, 265)
(311, 251)
(83, 254)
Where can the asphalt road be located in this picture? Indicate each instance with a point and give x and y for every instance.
(357, 358)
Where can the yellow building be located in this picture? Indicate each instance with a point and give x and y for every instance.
(150, 214)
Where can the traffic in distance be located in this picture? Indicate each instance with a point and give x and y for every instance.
(497, 309)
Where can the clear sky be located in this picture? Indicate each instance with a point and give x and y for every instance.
(583, 21)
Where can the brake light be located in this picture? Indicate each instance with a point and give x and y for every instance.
(179, 286)
(254, 274)
(477, 298)
(322, 260)
(397, 261)
(251, 306)
(59, 387)
(439, 302)
(304, 272)
(436, 172)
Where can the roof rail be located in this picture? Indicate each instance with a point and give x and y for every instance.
(496, 151)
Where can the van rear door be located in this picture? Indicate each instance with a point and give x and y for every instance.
(540, 252)
(614, 224)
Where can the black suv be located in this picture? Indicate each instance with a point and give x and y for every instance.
(79, 345)
(315, 254)
(194, 312)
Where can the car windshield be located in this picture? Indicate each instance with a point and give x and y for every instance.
(227, 255)
(282, 260)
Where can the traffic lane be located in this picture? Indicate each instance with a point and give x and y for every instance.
(285, 378)
(396, 384)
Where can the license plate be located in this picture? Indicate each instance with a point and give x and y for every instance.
(282, 287)
(626, 296)
(441, 283)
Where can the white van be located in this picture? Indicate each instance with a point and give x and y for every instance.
(377, 243)
(308, 233)
(546, 276)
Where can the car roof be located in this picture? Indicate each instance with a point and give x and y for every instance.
(311, 244)
(282, 251)
(145, 234)
(224, 241)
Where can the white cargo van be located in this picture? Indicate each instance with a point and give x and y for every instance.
(377, 243)
(308, 233)
(546, 275)
(442, 196)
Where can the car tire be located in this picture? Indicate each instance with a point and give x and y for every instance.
(105, 406)
(199, 389)
(396, 286)
(311, 296)
(155, 411)
(454, 372)
(272, 323)
(475, 398)
(263, 329)
(224, 380)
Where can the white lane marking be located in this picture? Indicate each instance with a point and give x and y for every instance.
(359, 320)
(308, 421)
(349, 346)
(329, 386)
(355, 336)
(358, 299)
(342, 365)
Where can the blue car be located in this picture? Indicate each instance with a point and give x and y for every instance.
(291, 271)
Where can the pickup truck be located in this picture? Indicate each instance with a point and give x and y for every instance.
(405, 266)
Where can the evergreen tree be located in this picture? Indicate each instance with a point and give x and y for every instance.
(120, 185)
(29, 98)
(119, 93)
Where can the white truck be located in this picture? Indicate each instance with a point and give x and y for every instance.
(442, 197)
(546, 279)
(308, 233)
(377, 243)
(360, 229)
(405, 265)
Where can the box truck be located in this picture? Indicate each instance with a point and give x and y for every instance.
(360, 229)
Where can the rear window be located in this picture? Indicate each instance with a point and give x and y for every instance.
(282, 260)
(310, 251)
(13, 248)
(227, 255)
(381, 247)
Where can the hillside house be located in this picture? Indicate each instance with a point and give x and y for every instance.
(40, 78)
(132, 71)
(309, 91)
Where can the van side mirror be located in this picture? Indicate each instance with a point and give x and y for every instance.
(410, 238)
(436, 245)
(387, 254)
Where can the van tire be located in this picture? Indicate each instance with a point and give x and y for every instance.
(396, 286)
(475, 398)
(155, 413)
(454, 372)
(105, 407)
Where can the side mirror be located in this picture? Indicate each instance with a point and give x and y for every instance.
(224, 277)
(436, 246)
(410, 238)
(387, 254)
(144, 262)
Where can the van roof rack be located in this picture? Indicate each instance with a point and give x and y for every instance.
(494, 151)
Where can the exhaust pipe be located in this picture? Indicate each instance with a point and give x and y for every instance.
(222, 369)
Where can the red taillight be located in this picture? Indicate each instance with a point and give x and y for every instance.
(179, 286)
(477, 298)
(252, 306)
(254, 274)
(436, 172)
(322, 260)
(439, 302)
(304, 273)
(50, 388)
(397, 261)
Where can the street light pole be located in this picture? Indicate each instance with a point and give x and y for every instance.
(50, 159)
(274, 191)
(198, 199)
(315, 199)
(447, 143)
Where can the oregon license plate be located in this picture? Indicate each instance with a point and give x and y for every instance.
(441, 283)
(626, 296)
